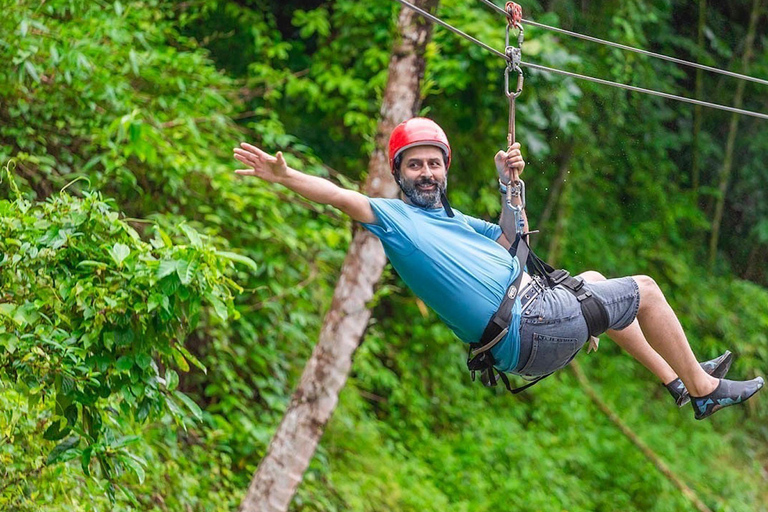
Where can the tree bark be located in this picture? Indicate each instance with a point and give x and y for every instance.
(725, 172)
(312, 404)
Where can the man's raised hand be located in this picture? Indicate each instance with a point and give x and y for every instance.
(510, 164)
(265, 166)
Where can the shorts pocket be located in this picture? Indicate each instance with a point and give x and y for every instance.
(549, 353)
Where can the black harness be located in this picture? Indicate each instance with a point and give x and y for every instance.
(480, 358)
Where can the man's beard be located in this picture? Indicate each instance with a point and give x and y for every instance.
(424, 198)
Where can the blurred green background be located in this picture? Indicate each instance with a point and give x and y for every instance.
(152, 376)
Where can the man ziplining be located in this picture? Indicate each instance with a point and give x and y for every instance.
(470, 272)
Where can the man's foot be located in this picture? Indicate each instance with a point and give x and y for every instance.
(728, 392)
(718, 368)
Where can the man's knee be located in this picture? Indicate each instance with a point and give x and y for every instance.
(649, 290)
(592, 276)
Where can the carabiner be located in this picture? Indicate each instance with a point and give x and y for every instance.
(517, 189)
(514, 61)
(520, 80)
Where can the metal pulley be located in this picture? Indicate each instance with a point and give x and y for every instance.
(514, 54)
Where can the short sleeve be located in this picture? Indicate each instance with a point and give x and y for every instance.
(393, 225)
(485, 228)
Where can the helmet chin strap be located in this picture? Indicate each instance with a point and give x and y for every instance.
(446, 204)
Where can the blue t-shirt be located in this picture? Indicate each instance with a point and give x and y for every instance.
(454, 265)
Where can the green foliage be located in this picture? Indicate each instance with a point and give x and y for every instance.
(93, 321)
(105, 90)
(144, 98)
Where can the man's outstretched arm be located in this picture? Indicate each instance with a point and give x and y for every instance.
(319, 190)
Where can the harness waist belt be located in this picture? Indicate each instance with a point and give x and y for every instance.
(592, 308)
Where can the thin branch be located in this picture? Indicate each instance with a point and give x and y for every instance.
(207, 119)
(650, 454)
(725, 171)
(371, 396)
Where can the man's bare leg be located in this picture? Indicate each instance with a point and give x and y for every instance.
(633, 341)
(664, 333)
(656, 339)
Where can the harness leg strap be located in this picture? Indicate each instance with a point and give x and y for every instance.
(592, 307)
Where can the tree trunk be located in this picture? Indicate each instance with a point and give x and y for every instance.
(563, 206)
(312, 404)
(725, 172)
(564, 167)
(697, 116)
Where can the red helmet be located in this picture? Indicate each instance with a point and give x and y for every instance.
(418, 131)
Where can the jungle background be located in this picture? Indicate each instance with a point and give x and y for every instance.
(157, 309)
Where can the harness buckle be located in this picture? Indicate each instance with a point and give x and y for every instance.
(573, 283)
(558, 276)
(483, 349)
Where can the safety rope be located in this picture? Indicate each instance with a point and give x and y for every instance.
(579, 76)
(630, 48)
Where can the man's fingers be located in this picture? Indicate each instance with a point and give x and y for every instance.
(245, 172)
(246, 160)
(246, 153)
(257, 155)
(253, 149)
(514, 161)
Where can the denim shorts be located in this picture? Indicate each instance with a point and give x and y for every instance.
(552, 328)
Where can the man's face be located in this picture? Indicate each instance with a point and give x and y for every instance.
(423, 176)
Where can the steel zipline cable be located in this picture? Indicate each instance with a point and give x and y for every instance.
(630, 48)
(648, 91)
(601, 81)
